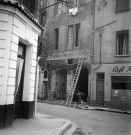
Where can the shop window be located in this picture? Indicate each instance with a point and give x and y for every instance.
(122, 5)
(121, 88)
(70, 37)
(56, 38)
(122, 42)
(77, 34)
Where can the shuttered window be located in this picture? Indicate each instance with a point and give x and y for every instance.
(70, 37)
(122, 5)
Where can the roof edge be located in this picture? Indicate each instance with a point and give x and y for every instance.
(22, 9)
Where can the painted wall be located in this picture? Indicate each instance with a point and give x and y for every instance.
(107, 22)
(15, 28)
(62, 21)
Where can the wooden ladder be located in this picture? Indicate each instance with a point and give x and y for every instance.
(74, 82)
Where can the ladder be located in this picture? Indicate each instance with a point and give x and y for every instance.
(74, 83)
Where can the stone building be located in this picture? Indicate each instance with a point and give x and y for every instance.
(19, 31)
(100, 32)
(111, 72)
(70, 36)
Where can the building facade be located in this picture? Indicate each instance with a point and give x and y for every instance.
(100, 32)
(70, 36)
(111, 72)
(19, 31)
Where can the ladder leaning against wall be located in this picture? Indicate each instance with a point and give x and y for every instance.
(74, 82)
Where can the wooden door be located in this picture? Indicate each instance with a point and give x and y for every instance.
(100, 90)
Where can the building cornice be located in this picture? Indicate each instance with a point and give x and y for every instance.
(22, 10)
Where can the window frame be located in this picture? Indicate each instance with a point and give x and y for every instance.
(118, 93)
(28, 9)
(121, 10)
(71, 46)
(77, 34)
(56, 38)
(118, 33)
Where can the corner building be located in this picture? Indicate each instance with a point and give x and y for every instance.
(19, 31)
(111, 72)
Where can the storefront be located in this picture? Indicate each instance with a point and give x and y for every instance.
(114, 87)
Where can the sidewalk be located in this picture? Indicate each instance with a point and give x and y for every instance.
(86, 107)
(39, 125)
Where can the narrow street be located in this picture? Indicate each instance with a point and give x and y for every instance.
(90, 122)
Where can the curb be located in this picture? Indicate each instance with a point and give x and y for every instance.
(62, 129)
(72, 129)
(108, 110)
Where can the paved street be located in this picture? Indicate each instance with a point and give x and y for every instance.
(89, 121)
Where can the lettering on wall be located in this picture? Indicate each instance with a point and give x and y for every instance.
(121, 69)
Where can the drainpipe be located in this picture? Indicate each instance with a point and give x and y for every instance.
(36, 85)
(100, 45)
(92, 51)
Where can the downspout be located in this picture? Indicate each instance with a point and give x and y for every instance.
(92, 50)
(100, 46)
(36, 84)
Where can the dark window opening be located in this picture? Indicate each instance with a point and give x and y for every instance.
(70, 61)
(29, 5)
(122, 42)
(100, 76)
(56, 36)
(121, 88)
(45, 74)
(122, 5)
(77, 33)
(121, 82)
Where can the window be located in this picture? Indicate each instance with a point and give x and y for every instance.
(29, 4)
(77, 33)
(56, 36)
(122, 5)
(45, 74)
(57, 7)
(122, 43)
(70, 37)
(100, 76)
(121, 88)
(70, 61)
(43, 19)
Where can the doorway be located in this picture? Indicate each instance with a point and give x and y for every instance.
(100, 89)
(82, 85)
(19, 80)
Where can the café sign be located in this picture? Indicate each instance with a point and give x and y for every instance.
(121, 69)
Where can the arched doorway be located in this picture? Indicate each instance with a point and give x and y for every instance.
(82, 85)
